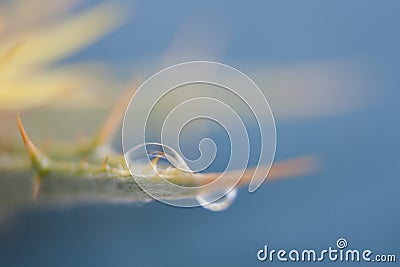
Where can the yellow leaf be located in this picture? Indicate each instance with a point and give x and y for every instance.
(54, 42)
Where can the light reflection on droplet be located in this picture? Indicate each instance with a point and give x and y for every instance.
(161, 158)
(154, 159)
(217, 205)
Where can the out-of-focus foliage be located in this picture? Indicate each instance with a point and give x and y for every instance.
(33, 39)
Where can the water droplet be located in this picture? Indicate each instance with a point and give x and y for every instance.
(154, 159)
(207, 200)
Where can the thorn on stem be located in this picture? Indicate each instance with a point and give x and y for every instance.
(104, 166)
(36, 187)
(113, 120)
(39, 160)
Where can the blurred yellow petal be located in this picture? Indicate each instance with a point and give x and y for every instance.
(58, 41)
(8, 55)
(43, 87)
(27, 79)
(21, 98)
(27, 13)
(315, 89)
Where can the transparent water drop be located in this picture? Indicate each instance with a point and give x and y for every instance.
(207, 200)
(154, 159)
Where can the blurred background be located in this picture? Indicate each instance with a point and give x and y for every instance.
(328, 68)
